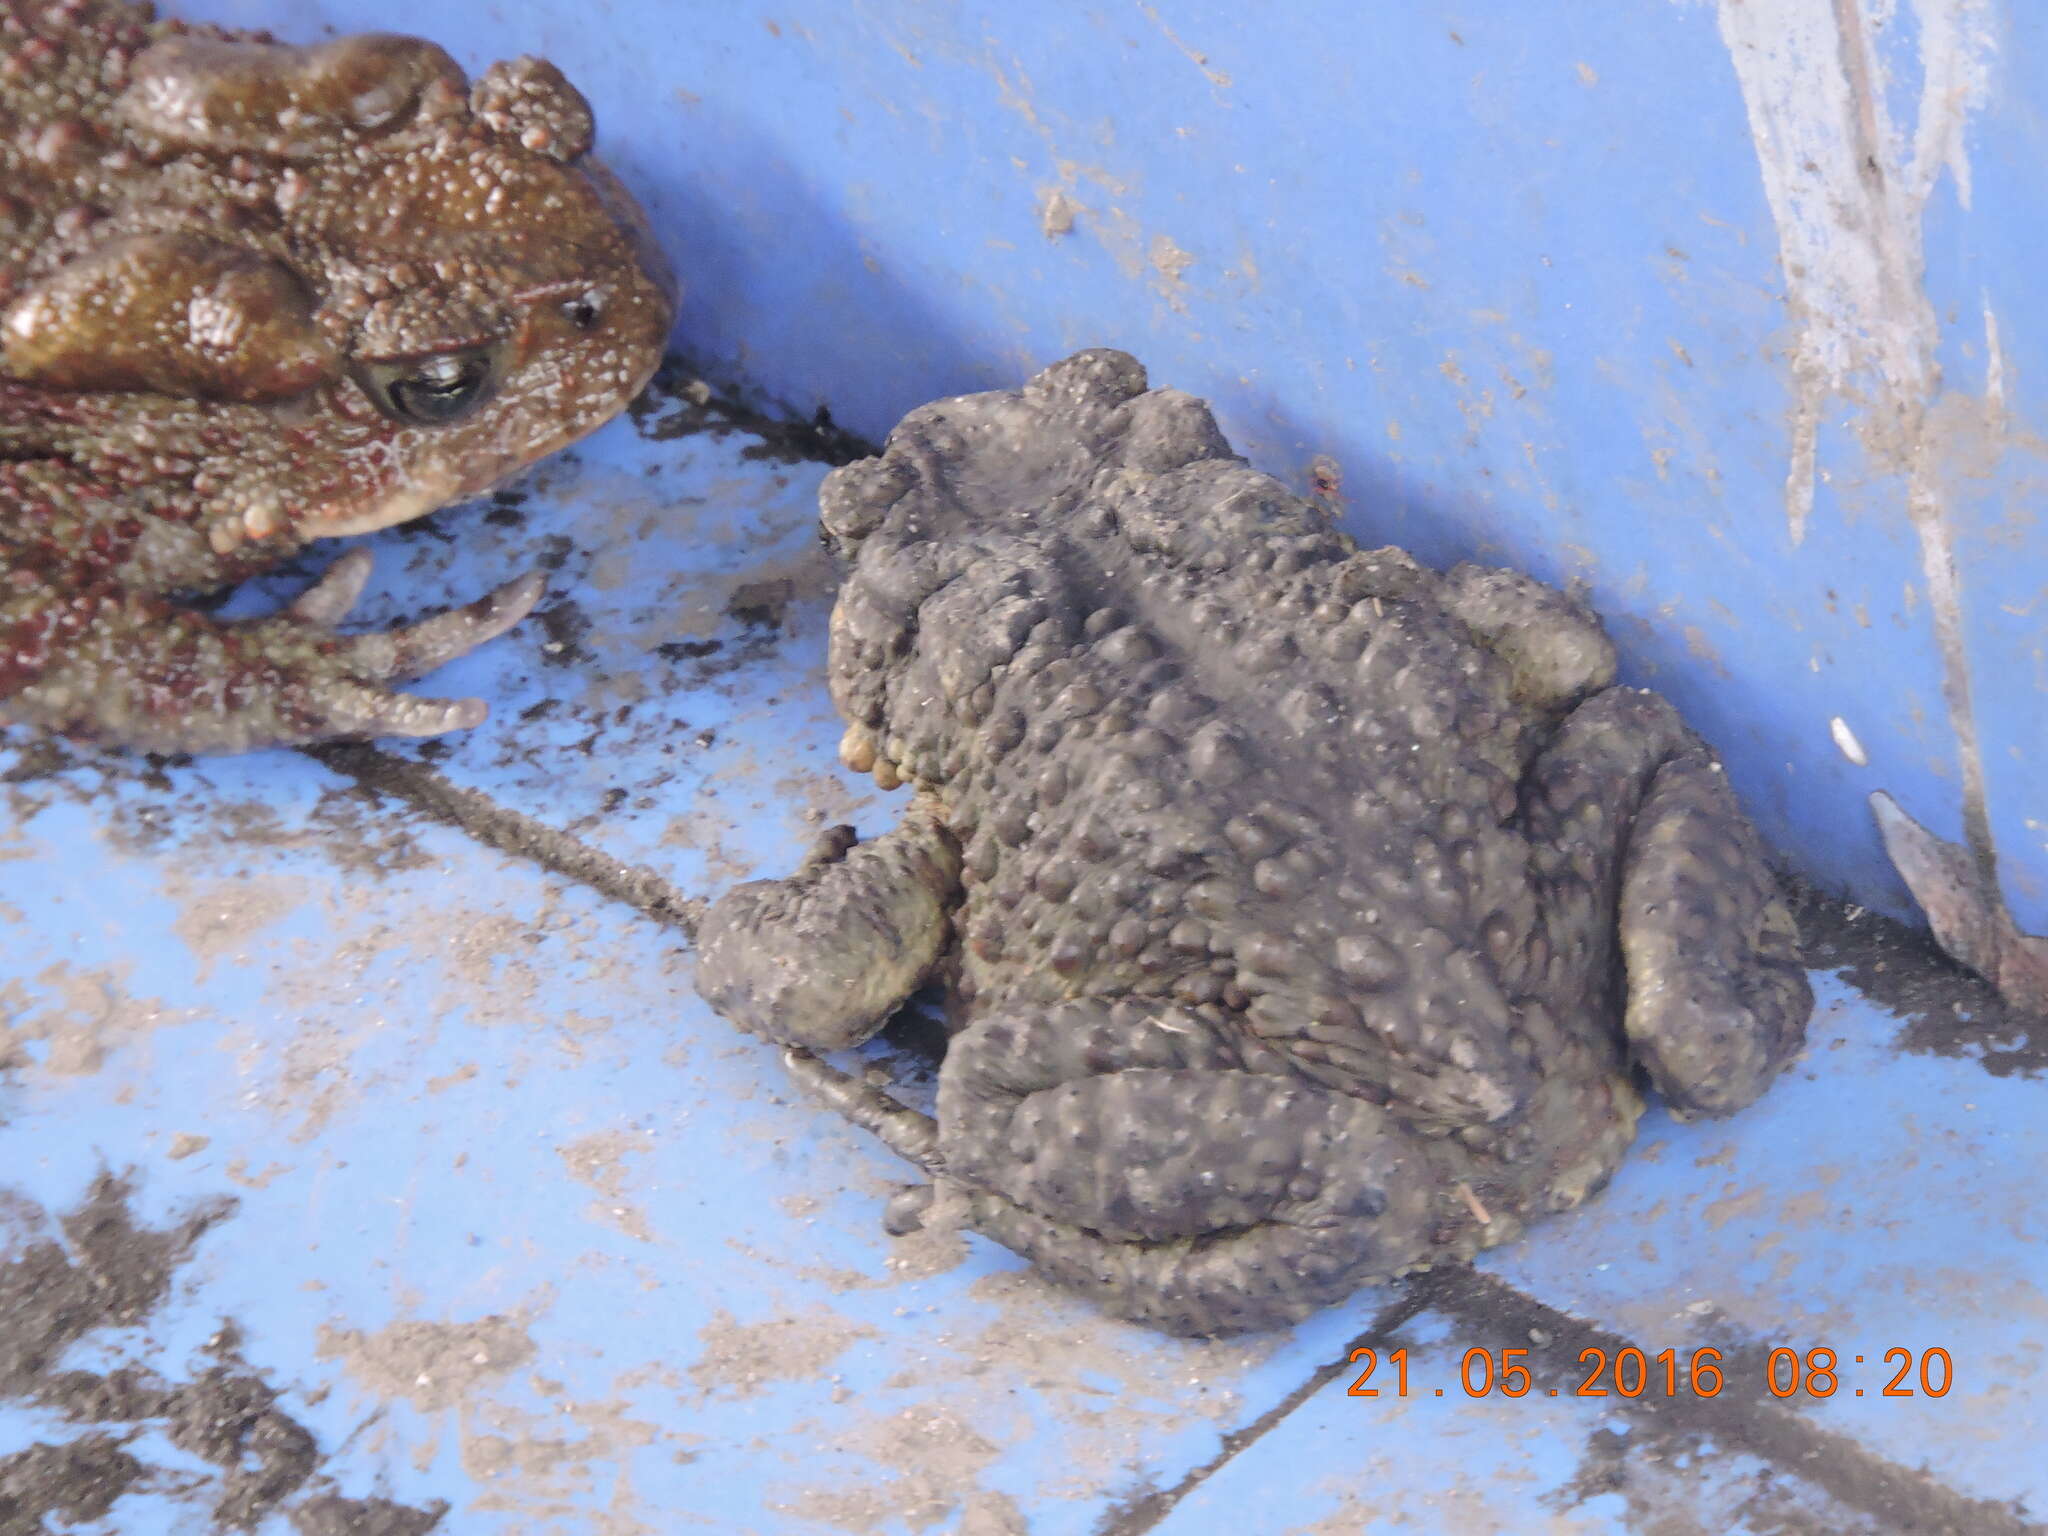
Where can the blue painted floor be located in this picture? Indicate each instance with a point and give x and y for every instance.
(519, 1228)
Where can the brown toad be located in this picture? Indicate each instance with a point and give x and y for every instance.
(253, 295)
(1306, 914)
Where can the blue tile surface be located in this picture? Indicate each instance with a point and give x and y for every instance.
(521, 1227)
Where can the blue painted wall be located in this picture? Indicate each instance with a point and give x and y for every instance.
(1551, 286)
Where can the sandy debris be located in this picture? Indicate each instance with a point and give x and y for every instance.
(82, 1016)
(741, 1360)
(431, 1365)
(598, 1160)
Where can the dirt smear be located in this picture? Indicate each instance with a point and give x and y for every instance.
(76, 1482)
(741, 1360)
(330, 1514)
(679, 403)
(542, 1465)
(599, 1160)
(1103, 1394)
(86, 1015)
(96, 1269)
(529, 1464)
(933, 1454)
(217, 917)
(1675, 1485)
(1948, 1011)
(430, 1365)
(178, 802)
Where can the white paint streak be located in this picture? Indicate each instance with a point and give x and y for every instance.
(1955, 48)
(1945, 608)
(1847, 194)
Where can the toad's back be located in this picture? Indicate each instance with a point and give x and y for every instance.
(1198, 746)
(61, 150)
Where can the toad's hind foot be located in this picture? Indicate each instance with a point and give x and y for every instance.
(1717, 996)
(1717, 999)
(1966, 912)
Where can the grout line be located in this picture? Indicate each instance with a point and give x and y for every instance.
(1490, 1313)
(1143, 1511)
(1742, 1417)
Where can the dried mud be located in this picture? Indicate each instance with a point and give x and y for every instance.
(681, 403)
(1947, 1010)
(101, 1271)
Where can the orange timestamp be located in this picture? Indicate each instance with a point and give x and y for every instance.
(1629, 1372)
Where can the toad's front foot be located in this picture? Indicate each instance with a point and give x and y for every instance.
(821, 959)
(130, 670)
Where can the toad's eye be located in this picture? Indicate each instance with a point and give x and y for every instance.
(584, 311)
(430, 391)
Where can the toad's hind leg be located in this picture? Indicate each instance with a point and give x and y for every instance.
(1717, 999)
(1124, 1149)
(823, 958)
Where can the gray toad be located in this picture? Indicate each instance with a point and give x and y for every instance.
(1307, 916)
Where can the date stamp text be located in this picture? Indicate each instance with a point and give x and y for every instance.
(1629, 1372)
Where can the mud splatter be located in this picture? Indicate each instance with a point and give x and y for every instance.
(98, 1271)
(528, 1466)
(921, 1254)
(332, 1515)
(77, 1482)
(705, 829)
(217, 917)
(1947, 1011)
(1057, 211)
